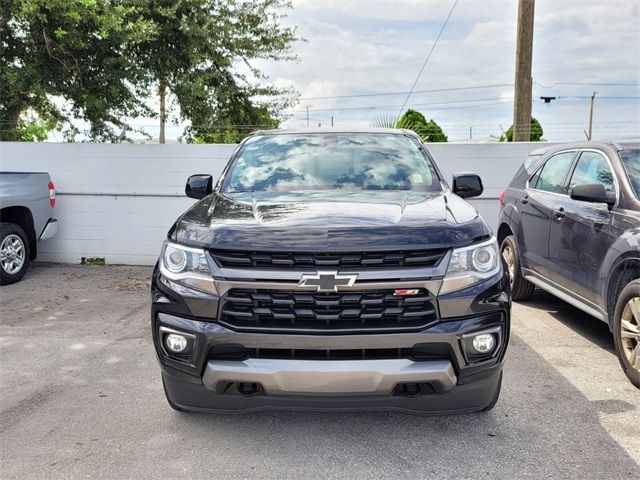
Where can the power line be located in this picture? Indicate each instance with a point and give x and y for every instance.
(590, 84)
(607, 97)
(385, 94)
(472, 87)
(397, 105)
(426, 60)
(501, 99)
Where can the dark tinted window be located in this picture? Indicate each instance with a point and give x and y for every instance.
(631, 162)
(551, 177)
(331, 161)
(592, 167)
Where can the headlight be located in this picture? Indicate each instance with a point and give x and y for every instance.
(186, 266)
(470, 265)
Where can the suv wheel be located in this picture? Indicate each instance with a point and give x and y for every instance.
(521, 289)
(14, 253)
(626, 331)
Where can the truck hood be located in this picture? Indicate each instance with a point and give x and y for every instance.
(333, 220)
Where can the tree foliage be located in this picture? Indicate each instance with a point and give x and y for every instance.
(252, 118)
(101, 61)
(535, 136)
(76, 50)
(429, 131)
(195, 53)
(34, 129)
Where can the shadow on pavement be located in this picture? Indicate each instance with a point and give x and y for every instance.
(542, 427)
(101, 412)
(589, 327)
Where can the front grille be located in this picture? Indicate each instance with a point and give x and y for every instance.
(326, 312)
(343, 261)
(419, 352)
(235, 352)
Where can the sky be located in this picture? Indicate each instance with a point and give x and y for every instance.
(367, 47)
(356, 47)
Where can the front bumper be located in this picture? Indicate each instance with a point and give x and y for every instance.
(448, 382)
(281, 374)
(329, 377)
(463, 398)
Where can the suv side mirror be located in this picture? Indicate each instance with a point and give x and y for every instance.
(199, 186)
(467, 185)
(591, 192)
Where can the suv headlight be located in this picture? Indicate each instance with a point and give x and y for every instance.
(186, 266)
(470, 265)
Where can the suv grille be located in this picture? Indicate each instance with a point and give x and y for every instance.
(356, 260)
(322, 312)
(419, 352)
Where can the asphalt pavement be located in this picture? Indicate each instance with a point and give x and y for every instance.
(81, 397)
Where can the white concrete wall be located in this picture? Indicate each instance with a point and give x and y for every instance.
(496, 163)
(117, 201)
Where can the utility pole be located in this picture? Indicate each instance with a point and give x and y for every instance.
(471, 133)
(332, 120)
(593, 97)
(307, 116)
(523, 83)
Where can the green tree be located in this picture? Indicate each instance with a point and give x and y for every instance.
(195, 55)
(536, 132)
(413, 118)
(65, 60)
(434, 132)
(429, 131)
(252, 118)
(34, 130)
(101, 61)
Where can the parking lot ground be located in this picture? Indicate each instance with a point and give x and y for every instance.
(81, 397)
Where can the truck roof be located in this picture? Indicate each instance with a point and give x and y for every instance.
(315, 130)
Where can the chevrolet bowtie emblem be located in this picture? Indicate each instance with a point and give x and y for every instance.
(327, 281)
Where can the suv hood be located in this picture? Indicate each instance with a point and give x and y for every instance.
(321, 221)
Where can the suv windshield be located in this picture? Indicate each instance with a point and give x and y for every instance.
(631, 161)
(287, 162)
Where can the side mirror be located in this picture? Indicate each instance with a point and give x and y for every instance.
(591, 192)
(199, 186)
(467, 185)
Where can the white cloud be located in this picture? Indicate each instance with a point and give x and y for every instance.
(360, 47)
(393, 11)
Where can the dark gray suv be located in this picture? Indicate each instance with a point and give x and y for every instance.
(570, 224)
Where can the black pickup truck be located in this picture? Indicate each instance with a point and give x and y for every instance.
(331, 269)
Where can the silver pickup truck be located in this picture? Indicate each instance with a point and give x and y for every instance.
(27, 201)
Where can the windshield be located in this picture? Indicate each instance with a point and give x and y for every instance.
(631, 161)
(330, 162)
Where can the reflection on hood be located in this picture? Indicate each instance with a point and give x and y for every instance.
(321, 220)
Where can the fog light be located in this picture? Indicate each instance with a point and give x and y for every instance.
(483, 343)
(177, 343)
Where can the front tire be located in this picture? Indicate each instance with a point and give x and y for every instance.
(626, 331)
(521, 289)
(14, 253)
